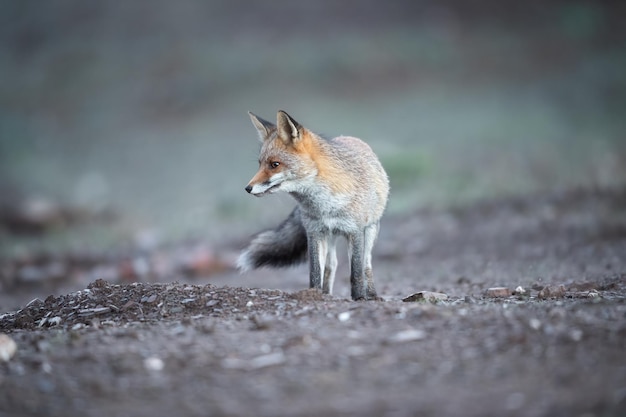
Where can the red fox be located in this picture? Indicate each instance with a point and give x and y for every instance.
(341, 190)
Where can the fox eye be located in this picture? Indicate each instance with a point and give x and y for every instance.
(274, 164)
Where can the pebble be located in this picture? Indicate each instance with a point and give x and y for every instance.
(552, 291)
(407, 336)
(271, 359)
(576, 335)
(94, 311)
(345, 316)
(149, 300)
(50, 321)
(498, 292)
(153, 364)
(519, 290)
(54, 321)
(534, 324)
(8, 347)
(429, 296)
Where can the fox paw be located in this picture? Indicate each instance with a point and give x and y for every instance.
(368, 297)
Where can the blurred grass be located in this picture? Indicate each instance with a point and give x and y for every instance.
(142, 107)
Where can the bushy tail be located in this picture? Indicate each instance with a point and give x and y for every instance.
(284, 246)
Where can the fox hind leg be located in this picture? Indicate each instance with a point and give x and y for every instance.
(371, 232)
(355, 254)
(331, 266)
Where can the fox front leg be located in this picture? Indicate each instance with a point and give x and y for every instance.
(317, 260)
(331, 266)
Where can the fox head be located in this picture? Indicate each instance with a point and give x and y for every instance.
(286, 160)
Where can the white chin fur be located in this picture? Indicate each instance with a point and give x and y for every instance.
(260, 190)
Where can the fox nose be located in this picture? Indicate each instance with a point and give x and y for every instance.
(249, 188)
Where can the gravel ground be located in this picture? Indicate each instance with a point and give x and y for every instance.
(549, 342)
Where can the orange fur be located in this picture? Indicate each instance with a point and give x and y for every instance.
(261, 176)
(328, 172)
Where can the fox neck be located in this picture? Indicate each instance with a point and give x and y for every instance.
(318, 201)
(321, 191)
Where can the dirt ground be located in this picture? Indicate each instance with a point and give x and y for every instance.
(233, 347)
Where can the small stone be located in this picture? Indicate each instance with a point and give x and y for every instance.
(534, 324)
(54, 321)
(519, 290)
(149, 300)
(153, 364)
(94, 311)
(8, 347)
(270, 359)
(407, 336)
(593, 294)
(498, 292)
(212, 303)
(345, 316)
(249, 304)
(552, 291)
(428, 296)
(576, 335)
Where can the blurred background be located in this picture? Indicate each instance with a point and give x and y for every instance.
(124, 123)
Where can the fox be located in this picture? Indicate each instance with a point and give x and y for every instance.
(341, 190)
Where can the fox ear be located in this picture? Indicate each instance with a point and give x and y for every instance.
(262, 126)
(288, 128)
